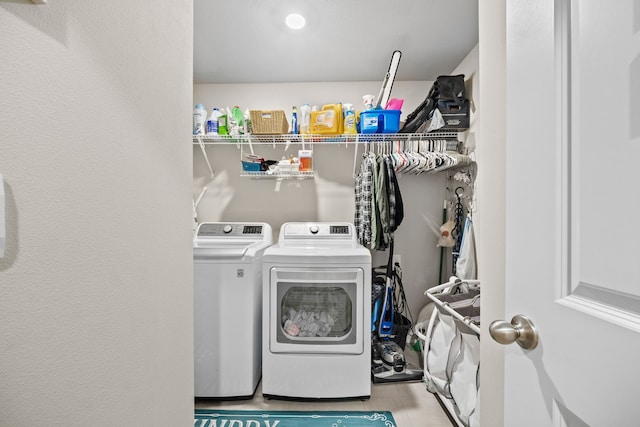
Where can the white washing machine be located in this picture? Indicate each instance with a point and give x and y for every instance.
(227, 276)
(316, 313)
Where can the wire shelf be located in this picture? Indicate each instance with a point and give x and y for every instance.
(360, 138)
(279, 175)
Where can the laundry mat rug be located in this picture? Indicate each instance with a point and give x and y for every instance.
(224, 418)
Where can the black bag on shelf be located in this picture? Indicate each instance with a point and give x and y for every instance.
(450, 88)
(448, 95)
(419, 117)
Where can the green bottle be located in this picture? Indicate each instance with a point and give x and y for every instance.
(222, 124)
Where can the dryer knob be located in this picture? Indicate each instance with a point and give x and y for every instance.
(227, 229)
(314, 229)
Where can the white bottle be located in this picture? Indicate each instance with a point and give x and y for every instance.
(199, 119)
(212, 123)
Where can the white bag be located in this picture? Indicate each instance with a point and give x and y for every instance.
(464, 373)
(436, 356)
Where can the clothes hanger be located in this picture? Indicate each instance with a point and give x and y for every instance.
(417, 157)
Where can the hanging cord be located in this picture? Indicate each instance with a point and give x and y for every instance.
(390, 267)
(401, 299)
(444, 219)
(458, 223)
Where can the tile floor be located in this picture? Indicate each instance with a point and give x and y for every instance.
(410, 403)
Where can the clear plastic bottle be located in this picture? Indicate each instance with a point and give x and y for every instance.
(247, 122)
(305, 112)
(199, 119)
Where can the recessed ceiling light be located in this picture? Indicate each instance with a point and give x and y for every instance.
(295, 21)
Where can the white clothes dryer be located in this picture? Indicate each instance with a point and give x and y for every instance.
(227, 276)
(316, 313)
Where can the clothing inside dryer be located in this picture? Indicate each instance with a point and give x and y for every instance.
(316, 311)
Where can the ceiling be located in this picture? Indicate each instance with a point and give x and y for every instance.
(246, 41)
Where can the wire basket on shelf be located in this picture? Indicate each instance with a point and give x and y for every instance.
(269, 122)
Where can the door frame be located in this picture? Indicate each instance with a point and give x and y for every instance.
(489, 221)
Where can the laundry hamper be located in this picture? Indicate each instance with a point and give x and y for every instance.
(451, 348)
(464, 383)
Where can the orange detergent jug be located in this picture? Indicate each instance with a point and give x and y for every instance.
(327, 121)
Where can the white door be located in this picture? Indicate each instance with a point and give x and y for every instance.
(573, 242)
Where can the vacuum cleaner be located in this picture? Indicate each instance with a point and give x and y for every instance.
(388, 362)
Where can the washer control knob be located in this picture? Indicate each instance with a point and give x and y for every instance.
(227, 229)
(314, 229)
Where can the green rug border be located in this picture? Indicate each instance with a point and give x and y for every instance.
(384, 416)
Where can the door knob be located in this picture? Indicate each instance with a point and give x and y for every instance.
(520, 330)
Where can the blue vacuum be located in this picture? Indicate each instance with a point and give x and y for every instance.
(388, 362)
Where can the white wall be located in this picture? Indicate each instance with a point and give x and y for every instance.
(329, 197)
(96, 283)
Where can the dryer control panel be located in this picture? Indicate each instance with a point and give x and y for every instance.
(219, 229)
(317, 230)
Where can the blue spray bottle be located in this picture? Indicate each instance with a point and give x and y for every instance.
(294, 121)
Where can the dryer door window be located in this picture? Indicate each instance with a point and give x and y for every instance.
(316, 310)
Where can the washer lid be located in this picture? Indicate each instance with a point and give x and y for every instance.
(223, 240)
(230, 250)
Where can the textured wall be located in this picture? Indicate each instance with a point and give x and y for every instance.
(95, 285)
